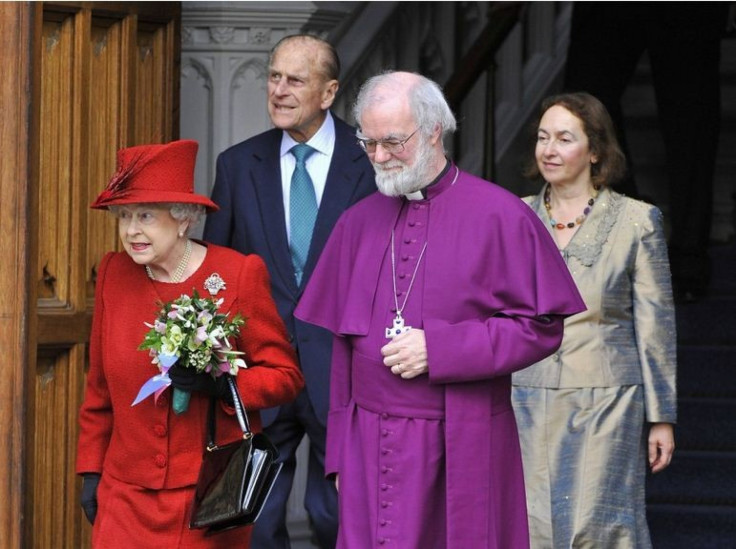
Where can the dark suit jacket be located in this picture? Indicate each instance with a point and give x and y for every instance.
(251, 220)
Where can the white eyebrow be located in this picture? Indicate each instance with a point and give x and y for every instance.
(389, 137)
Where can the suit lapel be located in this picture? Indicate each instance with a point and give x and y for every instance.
(343, 178)
(267, 182)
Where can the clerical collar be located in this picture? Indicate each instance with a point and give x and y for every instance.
(438, 184)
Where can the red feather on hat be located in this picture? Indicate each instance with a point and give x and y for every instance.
(118, 184)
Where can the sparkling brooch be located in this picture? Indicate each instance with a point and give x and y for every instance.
(214, 284)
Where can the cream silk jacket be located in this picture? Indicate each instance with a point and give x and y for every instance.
(627, 335)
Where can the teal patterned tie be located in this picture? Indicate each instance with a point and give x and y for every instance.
(303, 210)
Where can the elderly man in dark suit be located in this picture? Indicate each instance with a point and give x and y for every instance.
(280, 194)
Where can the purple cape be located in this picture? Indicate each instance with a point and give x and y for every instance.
(493, 280)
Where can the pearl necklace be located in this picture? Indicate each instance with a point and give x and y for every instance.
(578, 220)
(180, 268)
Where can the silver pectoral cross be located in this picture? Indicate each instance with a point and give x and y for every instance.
(398, 328)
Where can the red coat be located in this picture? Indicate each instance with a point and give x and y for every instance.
(147, 445)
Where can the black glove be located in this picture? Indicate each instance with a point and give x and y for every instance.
(89, 495)
(187, 379)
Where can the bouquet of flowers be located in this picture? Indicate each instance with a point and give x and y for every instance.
(190, 332)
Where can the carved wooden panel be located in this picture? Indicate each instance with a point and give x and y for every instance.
(106, 124)
(54, 506)
(108, 78)
(54, 172)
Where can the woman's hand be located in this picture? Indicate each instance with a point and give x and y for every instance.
(661, 446)
(187, 379)
(89, 495)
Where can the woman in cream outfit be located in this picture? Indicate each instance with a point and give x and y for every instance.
(592, 416)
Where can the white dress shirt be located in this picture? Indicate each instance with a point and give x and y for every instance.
(318, 164)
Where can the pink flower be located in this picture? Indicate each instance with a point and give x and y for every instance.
(204, 318)
(201, 334)
(159, 326)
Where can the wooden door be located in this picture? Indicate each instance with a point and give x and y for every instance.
(15, 120)
(106, 76)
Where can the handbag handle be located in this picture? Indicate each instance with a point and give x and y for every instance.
(239, 412)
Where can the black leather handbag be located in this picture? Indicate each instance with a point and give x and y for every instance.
(235, 479)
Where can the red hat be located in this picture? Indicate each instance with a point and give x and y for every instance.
(154, 173)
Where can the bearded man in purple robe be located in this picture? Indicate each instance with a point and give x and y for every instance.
(436, 288)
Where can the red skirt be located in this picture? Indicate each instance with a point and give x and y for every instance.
(132, 516)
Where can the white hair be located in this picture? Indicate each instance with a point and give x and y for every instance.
(426, 100)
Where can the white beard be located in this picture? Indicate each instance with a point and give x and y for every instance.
(408, 179)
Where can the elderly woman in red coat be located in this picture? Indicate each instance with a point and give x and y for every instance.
(140, 463)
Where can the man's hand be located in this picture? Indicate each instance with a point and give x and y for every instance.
(406, 354)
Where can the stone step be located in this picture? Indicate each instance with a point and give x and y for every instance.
(724, 270)
(692, 527)
(706, 424)
(696, 478)
(692, 505)
(706, 371)
(709, 321)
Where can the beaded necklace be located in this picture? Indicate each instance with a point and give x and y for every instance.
(578, 220)
(180, 268)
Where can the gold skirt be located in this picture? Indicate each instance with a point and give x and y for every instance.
(584, 455)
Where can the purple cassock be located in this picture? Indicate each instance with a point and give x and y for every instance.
(434, 461)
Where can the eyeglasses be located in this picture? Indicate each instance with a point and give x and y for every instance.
(391, 146)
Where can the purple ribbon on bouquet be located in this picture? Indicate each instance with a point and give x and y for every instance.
(158, 383)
